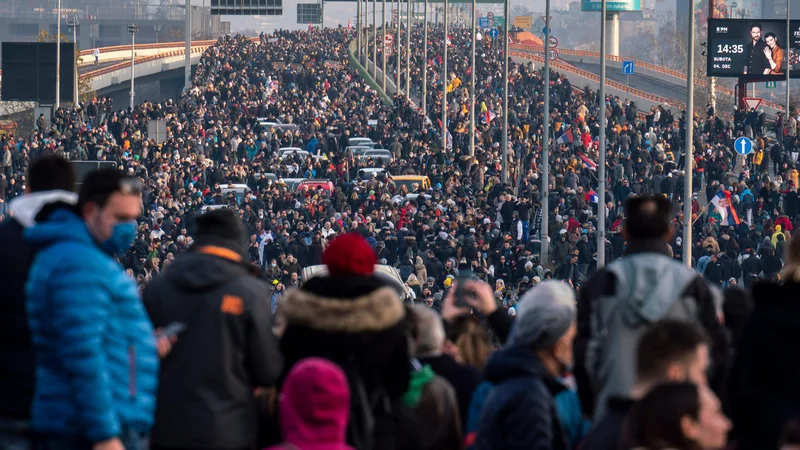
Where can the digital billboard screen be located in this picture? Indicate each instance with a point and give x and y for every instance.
(753, 49)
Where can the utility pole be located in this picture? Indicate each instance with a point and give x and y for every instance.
(408, 48)
(472, 99)
(133, 28)
(58, 56)
(788, 79)
(601, 172)
(425, 62)
(444, 82)
(505, 95)
(374, 44)
(544, 232)
(187, 57)
(358, 31)
(397, 46)
(74, 25)
(383, 43)
(687, 179)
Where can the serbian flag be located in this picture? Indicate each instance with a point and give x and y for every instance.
(722, 201)
(490, 115)
(566, 138)
(587, 162)
(592, 197)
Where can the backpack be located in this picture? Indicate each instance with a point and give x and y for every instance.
(648, 288)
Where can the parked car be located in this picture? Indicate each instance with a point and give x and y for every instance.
(313, 185)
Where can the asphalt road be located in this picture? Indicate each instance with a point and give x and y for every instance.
(645, 83)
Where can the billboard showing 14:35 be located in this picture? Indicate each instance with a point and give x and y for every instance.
(756, 50)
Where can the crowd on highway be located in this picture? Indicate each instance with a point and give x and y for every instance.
(281, 158)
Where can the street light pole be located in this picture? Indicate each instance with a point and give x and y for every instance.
(187, 57)
(397, 46)
(358, 31)
(444, 81)
(408, 48)
(425, 62)
(472, 100)
(74, 25)
(133, 29)
(505, 94)
(383, 43)
(58, 56)
(687, 184)
(544, 231)
(374, 44)
(601, 170)
(788, 80)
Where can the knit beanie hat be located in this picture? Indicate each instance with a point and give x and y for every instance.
(350, 297)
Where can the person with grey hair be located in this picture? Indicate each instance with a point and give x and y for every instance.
(433, 349)
(521, 412)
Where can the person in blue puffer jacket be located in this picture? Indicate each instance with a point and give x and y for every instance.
(96, 352)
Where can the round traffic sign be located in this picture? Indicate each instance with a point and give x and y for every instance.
(553, 42)
(544, 30)
(493, 33)
(388, 38)
(490, 15)
(553, 54)
(743, 146)
(387, 50)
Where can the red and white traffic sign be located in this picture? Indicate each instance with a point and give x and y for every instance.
(553, 54)
(388, 39)
(387, 50)
(544, 18)
(553, 42)
(752, 103)
(490, 15)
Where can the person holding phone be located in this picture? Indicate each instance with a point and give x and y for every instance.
(210, 297)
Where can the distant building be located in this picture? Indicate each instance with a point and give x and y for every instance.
(105, 23)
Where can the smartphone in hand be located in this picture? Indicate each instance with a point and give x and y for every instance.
(171, 330)
(461, 289)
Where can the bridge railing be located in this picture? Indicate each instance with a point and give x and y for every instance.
(586, 74)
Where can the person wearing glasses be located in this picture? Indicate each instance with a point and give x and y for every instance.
(97, 358)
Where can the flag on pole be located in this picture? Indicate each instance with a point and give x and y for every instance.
(348, 24)
(489, 115)
(722, 201)
(566, 138)
(587, 162)
(310, 27)
(591, 196)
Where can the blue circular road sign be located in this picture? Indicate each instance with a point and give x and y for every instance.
(743, 146)
(493, 33)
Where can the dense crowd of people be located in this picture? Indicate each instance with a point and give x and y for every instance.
(216, 230)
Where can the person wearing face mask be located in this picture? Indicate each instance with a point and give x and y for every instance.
(97, 359)
(521, 412)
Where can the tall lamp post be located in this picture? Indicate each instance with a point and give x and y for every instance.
(601, 170)
(504, 153)
(132, 29)
(444, 81)
(544, 231)
(73, 25)
(58, 56)
(687, 185)
(788, 80)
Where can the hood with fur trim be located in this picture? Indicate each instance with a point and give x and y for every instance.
(25, 208)
(372, 311)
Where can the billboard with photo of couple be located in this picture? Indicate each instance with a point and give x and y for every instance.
(757, 50)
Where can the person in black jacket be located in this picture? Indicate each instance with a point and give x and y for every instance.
(51, 180)
(226, 349)
(762, 389)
